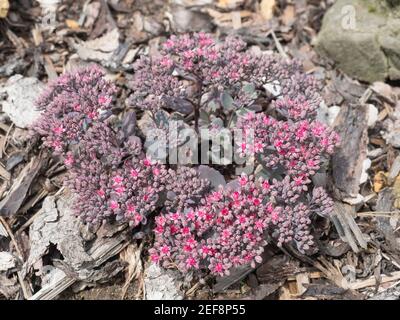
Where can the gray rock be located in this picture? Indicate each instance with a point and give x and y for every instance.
(185, 20)
(21, 94)
(327, 114)
(361, 37)
(161, 284)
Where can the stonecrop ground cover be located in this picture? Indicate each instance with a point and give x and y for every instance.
(209, 85)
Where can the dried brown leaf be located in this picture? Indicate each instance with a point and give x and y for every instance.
(267, 8)
(131, 255)
(379, 181)
(101, 49)
(4, 6)
(72, 24)
(229, 4)
(288, 15)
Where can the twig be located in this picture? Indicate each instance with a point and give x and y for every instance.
(386, 214)
(342, 218)
(27, 294)
(387, 257)
(193, 289)
(390, 287)
(21, 281)
(33, 201)
(197, 107)
(366, 95)
(10, 233)
(143, 288)
(28, 223)
(279, 46)
(371, 281)
(4, 146)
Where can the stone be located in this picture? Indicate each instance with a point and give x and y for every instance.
(21, 93)
(327, 114)
(161, 284)
(372, 115)
(365, 167)
(361, 37)
(185, 20)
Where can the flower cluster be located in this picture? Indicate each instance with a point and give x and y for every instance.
(294, 222)
(200, 71)
(128, 191)
(110, 178)
(71, 104)
(184, 189)
(155, 87)
(228, 228)
(296, 148)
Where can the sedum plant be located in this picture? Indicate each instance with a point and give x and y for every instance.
(204, 218)
(111, 177)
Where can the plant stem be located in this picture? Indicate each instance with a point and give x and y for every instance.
(197, 107)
